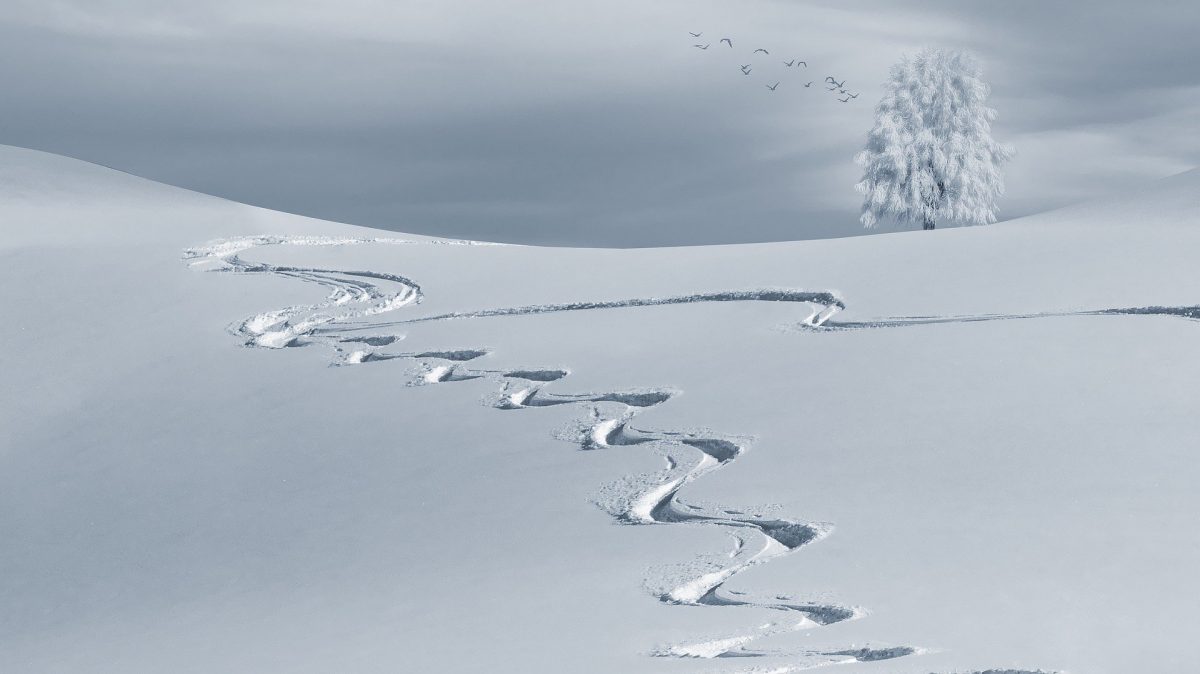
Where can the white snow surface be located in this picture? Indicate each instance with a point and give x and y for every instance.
(237, 440)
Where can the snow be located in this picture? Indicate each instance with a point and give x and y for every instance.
(997, 420)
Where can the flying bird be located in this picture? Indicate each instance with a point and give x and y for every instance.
(790, 63)
(836, 83)
(761, 50)
(772, 86)
(727, 40)
(701, 46)
(746, 71)
(848, 95)
(697, 34)
(845, 100)
(803, 63)
(808, 85)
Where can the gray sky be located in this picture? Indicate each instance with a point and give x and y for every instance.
(582, 122)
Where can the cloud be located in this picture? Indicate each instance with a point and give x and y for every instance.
(579, 123)
(101, 19)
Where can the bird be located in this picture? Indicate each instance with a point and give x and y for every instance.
(727, 40)
(701, 46)
(848, 95)
(803, 63)
(761, 50)
(746, 71)
(696, 34)
(836, 83)
(808, 85)
(790, 63)
(772, 86)
(845, 100)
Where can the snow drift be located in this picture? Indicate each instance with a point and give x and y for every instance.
(239, 440)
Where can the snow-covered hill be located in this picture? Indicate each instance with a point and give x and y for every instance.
(237, 440)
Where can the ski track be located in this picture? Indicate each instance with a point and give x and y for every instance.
(646, 499)
(827, 304)
(1188, 313)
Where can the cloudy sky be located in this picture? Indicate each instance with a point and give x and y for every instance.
(582, 122)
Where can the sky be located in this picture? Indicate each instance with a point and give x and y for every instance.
(579, 122)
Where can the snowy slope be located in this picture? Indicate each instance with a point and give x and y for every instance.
(241, 441)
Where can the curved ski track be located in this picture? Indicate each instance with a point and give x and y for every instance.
(647, 499)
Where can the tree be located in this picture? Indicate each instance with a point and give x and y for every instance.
(931, 155)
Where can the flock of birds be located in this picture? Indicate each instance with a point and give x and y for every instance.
(831, 83)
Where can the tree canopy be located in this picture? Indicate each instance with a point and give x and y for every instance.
(931, 156)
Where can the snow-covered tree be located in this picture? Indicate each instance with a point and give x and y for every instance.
(931, 155)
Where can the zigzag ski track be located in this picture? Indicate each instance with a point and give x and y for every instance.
(652, 499)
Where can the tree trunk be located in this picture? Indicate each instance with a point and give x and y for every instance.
(928, 224)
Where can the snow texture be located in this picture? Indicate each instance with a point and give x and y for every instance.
(330, 451)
